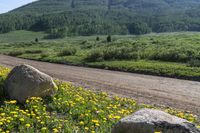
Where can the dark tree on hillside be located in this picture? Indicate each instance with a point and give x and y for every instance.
(36, 40)
(109, 39)
(73, 4)
(97, 39)
(109, 4)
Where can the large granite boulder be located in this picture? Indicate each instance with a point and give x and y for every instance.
(25, 81)
(150, 121)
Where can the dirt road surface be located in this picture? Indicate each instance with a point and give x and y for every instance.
(181, 94)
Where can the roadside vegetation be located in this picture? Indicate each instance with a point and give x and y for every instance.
(168, 54)
(71, 109)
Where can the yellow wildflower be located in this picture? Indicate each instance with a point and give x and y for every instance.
(81, 123)
(55, 130)
(27, 125)
(21, 119)
(86, 128)
(44, 128)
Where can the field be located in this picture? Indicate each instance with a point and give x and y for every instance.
(167, 54)
(20, 36)
(71, 109)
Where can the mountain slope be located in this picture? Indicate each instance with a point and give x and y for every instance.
(49, 6)
(87, 17)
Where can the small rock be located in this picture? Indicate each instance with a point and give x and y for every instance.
(150, 120)
(25, 81)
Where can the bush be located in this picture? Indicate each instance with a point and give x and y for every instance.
(95, 55)
(111, 53)
(109, 39)
(36, 40)
(97, 39)
(67, 52)
(34, 51)
(194, 63)
(15, 53)
(83, 42)
(44, 55)
(172, 55)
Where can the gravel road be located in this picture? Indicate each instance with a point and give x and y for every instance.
(158, 91)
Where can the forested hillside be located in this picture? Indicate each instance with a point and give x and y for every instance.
(88, 17)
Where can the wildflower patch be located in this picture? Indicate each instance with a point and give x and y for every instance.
(71, 109)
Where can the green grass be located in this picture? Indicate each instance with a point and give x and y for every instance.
(72, 109)
(20, 36)
(158, 68)
(167, 54)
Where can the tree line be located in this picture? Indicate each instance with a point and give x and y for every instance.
(85, 23)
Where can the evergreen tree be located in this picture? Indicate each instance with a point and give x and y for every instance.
(109, 39)
(36, 40)
(97, 39)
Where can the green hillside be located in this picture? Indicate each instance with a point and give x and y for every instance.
(88, 17)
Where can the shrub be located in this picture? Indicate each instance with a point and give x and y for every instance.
(15, 53)
(109, 39)
(68, 51)
(170, 55)
(36, 40)
(44, 55)
(97, 39)
(33, 51)
(95, 55)
(111, 53)
(83, 42)
(194, 63)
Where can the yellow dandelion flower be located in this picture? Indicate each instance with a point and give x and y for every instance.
(27, 125)
(86, 128)
(21, 119)
(44, 129)
(81, 123)
(117, 117)
(13, 101)
(27, 101)
(2, 114)
(97, 124)
(95, 121)
(55, 130)
(15, 116)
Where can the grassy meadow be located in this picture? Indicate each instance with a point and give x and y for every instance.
(71, 110)
(167, 54)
